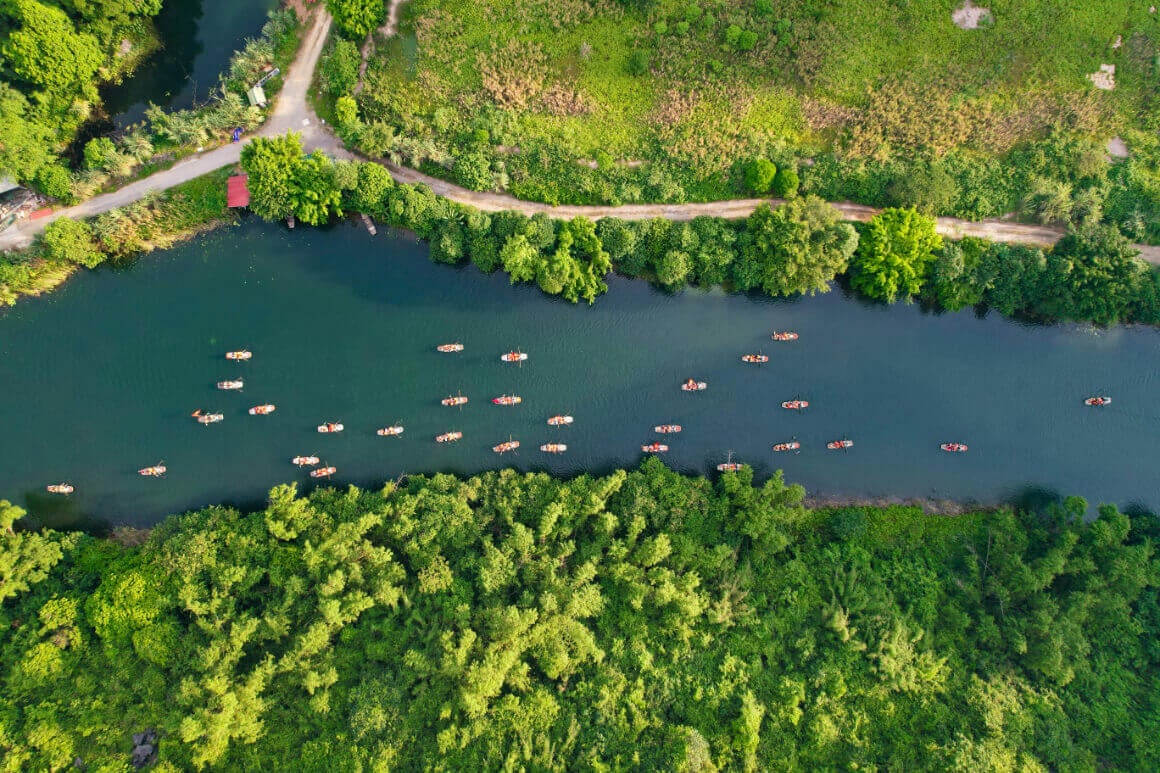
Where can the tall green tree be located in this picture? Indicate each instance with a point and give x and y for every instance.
(894, 254)
(799, 247)
(271, 164)
(47, 51)
(356, 18)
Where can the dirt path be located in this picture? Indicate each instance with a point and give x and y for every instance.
(293, 113)
(387, 31)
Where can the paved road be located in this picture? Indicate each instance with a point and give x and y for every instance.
(293, 112)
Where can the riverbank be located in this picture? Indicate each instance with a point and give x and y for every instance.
(605, 611)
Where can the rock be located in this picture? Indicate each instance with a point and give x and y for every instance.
(1104, 79)
(1117, 148)
(969, 16)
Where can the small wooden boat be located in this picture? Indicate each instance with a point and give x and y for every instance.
(553, 448)
(323, 472)
(694, 386)
(793, 445)
(665, 429)
(954, 448)
(507, 400)
(330, 426)
(729, 466)
(516, 356)
(1098, 402)
(208, 418)
(559, 421)
(839, 445)
(228, 385)
(241, 356)
(508, 445)
(455, 400)
(448, 437)
(654, 448)
(156, 471)
(755, 358)
(305, 461)
(60, 488)
(262, 410)
(448, 348)
(786, 335)
(394, 431)
(795, 405)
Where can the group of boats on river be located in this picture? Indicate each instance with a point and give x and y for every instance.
(689, 385)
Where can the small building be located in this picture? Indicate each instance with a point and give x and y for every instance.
(257, 96)
(237, 191)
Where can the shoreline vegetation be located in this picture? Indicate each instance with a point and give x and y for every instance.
(637, 620)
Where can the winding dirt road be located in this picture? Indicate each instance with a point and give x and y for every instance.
(292, 112)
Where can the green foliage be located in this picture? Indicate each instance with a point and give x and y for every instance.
(473, 170)
(759, 175)
(799, 247)
(283, 182)
(354, 19)
(24, 143)
(48, 52)
(71, 240)
(54, 181)
(894, 254)
(98, 152)
(637, 62)
(785, 183)
(339, 68)
(1094, 275)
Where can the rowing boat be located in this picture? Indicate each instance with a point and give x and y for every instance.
(448, 437)
(262, 410)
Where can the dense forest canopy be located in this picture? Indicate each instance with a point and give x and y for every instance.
(641, 620)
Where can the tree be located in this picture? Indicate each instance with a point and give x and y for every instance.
(785, 183)
(72, 240)
(54, 181)
(520, 259)
(373, 184)
(894, 254)
(356, 18)
(314, 193)
(759, 175)
(1095, 273)
(799, 247)
(473, 170)
(48, 52)
(98, 152)
(25, 557)
(339, 70)
(271, 164)
(637, 62)
(673, 269)
(24, 143)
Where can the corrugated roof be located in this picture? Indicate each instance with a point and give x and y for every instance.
(237, 192)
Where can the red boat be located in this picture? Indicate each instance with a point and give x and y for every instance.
(694, 386)
(448, 437)
(239, 356)
(453, 401)
(507, 400)
(156, 471)
(1098, 401)
(836, 445)
(754, 358)
(305, 461)
(506, 446)
(654, 448)
(234, 384)
(390, 431)
(330, 426)
(553, 448)
(323, 472)
(559, 421)
(784, 336)
(262, 410)
(954, 448)
(793, 445)
(795, 405)
(514, 357)
(729, 467)
(60, 488)
(447, 348)
(665, 429)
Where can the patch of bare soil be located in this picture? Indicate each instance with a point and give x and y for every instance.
(1117, 148)
(969, 16)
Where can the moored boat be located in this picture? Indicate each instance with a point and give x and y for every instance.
(665, 429)
(239, 356)
(785, 335)
(793, 445)
(553, 448)
(447, 348)
(305, 461)
(1098, 401)
(323, 472)
(729, 467)
(454, 400)
(60, 488)
(755, 358)
(954, 448)
(208, 418)
(693, 385)
(559, 421)
(232, 384)
(262, 410)
(394, 431)
(795, 405)
(448, 437)
(156, 471)
(507, 445)
(507, 400)
(654, 448)
(330, 426)
(516, 356)
(837, 445)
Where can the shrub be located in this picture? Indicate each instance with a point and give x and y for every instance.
(356, 18)
(894, 254)
(72, 240)
(759, 175)
(98, 151)
(339, 69)
(785, 183)
(638, 62)
(54, 181)
(473, 170)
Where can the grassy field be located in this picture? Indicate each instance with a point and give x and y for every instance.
(597, 100)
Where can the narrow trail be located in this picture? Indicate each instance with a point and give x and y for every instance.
(292, 112)
(387, 31)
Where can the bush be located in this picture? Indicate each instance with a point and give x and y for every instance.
(759, 175)
(354, 19)
(54, 181)
(894, 254)
(98, 151)
(473, 170)
(339, 69)
(72, 241)
(785, 183)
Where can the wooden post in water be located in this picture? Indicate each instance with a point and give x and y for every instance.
(290, 221)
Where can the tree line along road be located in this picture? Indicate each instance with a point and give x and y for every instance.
(292, 112)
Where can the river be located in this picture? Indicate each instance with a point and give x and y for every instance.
(101, 376)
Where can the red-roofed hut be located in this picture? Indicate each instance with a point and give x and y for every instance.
(237, 192)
